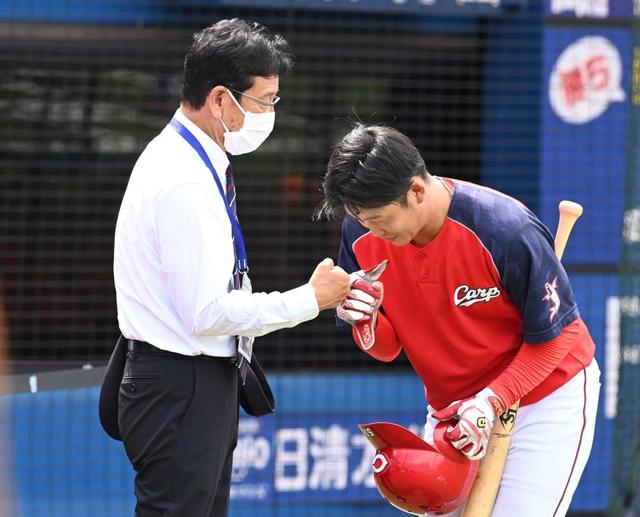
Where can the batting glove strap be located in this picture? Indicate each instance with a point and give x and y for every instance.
(497, 404)
(365, 332)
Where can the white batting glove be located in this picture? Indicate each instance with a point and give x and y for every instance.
(475, 418)
(360, 310)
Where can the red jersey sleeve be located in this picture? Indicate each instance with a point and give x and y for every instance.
(533, 363)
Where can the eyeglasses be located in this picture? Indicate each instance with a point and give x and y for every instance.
(260, 102)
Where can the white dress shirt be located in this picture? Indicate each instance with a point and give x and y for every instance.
(174, 257)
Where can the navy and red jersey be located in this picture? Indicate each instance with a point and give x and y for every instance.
(461, 306)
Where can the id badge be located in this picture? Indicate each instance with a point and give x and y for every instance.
(245, 347)
(245, 343)
(245, 282)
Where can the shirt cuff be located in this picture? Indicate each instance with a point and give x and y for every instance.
(301, 303)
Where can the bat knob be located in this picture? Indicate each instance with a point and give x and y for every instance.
(570, 208)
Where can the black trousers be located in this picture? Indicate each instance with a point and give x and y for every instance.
(178, 416)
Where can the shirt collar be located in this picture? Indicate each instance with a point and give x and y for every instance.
(216, 154)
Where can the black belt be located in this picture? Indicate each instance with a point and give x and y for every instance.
(142, 347)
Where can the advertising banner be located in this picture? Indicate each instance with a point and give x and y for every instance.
(583, 138)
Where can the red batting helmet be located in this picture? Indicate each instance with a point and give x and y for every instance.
(416, 477)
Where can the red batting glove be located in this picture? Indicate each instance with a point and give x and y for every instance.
(360, 310)
(475, 418)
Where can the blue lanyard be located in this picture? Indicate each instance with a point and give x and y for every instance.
(238, 240)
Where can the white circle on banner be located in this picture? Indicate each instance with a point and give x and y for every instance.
(585, 79)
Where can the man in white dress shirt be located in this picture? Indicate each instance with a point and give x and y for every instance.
(177, 260)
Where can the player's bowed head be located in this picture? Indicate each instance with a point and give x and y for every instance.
(376, 175)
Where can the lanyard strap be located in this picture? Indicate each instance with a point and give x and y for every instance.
(238, 240)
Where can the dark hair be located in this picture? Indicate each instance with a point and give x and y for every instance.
(372, 166)
(231, 53)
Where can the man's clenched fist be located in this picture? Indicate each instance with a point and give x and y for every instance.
(330, 283)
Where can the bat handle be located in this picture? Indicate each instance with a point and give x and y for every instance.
(569, 213)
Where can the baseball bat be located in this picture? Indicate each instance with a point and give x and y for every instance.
(485, 487)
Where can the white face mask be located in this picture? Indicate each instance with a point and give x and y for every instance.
(254, 131)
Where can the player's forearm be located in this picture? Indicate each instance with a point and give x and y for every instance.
(532, 365)
(386, 347)
(240, 313)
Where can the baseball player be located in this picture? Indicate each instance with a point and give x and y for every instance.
(477, 300)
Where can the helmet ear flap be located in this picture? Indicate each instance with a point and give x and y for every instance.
(415, 477)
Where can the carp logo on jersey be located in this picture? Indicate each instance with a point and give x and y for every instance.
(464, 296)
(552, 296)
